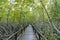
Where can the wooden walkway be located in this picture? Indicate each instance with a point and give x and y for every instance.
(28, 34)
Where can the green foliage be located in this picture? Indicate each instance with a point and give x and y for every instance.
(52, 36)
(15, 16)
(55, 11)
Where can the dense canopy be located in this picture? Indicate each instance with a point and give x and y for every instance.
(43, 14)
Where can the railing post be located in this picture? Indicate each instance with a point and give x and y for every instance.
(21, 31)
(24, 28)
(39, 36)
(16, 37)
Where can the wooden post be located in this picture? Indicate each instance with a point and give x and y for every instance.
(16, 37)
(39, 36)
(24, 28)
(21, 31)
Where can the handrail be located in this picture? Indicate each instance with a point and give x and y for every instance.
(16, 33)
(38, 33)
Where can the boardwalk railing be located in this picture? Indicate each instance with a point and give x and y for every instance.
(38, 33)
(15, 35)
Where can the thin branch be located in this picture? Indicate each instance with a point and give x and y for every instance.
(4, 29)
(51, 23)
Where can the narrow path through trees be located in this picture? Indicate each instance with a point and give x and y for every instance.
(28, 34)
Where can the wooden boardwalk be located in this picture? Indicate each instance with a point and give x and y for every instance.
(28, 34)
